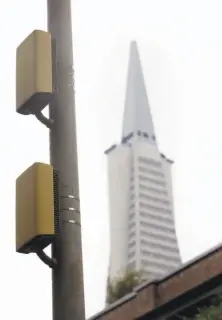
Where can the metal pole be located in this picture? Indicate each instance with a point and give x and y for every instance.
(67, 278)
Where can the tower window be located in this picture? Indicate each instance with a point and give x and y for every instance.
(131, 225)
(131, 255)
(126, 138)
(132, 244)
(149, 161)
(132, 235)
(131, 265)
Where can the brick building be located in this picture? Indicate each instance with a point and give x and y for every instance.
(179, 294)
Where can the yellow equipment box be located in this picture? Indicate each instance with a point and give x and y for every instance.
(34, 73)
(37, 209)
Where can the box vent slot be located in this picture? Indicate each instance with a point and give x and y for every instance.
(56, 202)
(54, 66)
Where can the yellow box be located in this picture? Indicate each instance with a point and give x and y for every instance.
(35, 208)
(34, 73)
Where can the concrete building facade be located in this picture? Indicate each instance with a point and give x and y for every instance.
(142, 226)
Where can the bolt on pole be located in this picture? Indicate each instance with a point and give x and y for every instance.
(67, 277)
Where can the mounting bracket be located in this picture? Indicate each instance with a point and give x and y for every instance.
(46, 259)
(47, 122)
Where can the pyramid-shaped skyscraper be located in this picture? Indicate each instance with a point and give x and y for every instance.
(142, 226)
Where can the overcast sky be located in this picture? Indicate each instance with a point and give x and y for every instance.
(180, 45)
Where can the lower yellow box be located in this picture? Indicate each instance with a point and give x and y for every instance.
(35, 208)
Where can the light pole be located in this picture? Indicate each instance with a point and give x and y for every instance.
(67, 277)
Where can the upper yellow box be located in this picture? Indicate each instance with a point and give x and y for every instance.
(34, 73)
(35, 208)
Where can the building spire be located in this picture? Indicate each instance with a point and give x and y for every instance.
(137, 115)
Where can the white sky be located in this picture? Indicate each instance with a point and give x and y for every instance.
(180, 45)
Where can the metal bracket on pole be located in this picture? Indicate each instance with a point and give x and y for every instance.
(72, 221)
(47, 122)
(69, 196)
(70, 209)
(46, 259)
